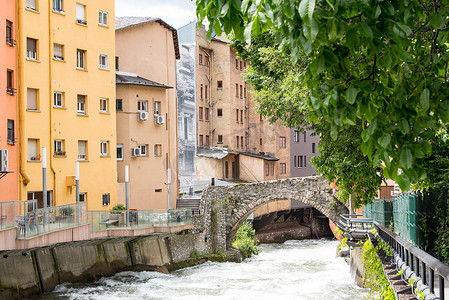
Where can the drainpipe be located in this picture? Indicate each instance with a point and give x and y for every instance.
(50, 106)
(21, 102)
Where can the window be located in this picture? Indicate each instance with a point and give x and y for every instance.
(294, 161)
(260, 141)
(244, 64)
(82, 150)
(237, 143)
(104, 61)
(142, 105)
(83, 197)
(10, 82)
(31, 4)
(143, 149)
(200, 113)
(31, 49)
(157, 150)
(205, 91)
(119, 151)
(313, 148)
(220, 139)
(236, 89)
(282, 169)
(305, 134)
(80, 14)
(104, 105)
(241, 116)
(58, 99)
(296, 136)
(206, 60)
(81, 104)
(102, 18)
(9, 37)
(10, 125)
(200, 58)
(81, 57)
(201, 92)
(261, 117)
(206, 113)
(58, 5)
(59, 147)
(237, 115)
(241, 142)
(118, 104)
(300, 161)
(272, 169)
(58, 52)
(201, 140)
(106, 199)
(33, 146)
(219, 84)
(282, 142)
(104, 148)
(305, 161)
(241, 91)
(32, 103)
(241, 65)
(244, 92)
(116, 63)
(236, 63)
(157, 107)
(207, 140)
(267, 169)
(219, 112)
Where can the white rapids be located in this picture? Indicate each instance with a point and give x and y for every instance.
(304, 269)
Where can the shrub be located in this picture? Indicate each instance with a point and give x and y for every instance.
(245, 240)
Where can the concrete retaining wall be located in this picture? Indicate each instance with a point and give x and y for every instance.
(27, 273)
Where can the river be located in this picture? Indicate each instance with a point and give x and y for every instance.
(304, 269)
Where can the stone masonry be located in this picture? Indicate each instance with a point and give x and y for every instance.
(224, 209)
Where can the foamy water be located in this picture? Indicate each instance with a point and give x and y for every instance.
(294, 270)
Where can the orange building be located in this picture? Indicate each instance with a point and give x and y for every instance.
(8, 103)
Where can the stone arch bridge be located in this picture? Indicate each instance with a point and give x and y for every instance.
(225, 208)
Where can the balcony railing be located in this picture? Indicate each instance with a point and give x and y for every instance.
(9, 210)
(10, 90)
(10, 41)
(83, 22)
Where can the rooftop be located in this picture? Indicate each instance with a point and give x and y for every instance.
(126, 78)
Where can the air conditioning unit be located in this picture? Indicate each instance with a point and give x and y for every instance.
(3, 160)
(135, 152)
(142, 115)
(160, 119)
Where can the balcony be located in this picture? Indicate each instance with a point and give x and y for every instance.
(10, 41)
(82, 22)
(10, 90)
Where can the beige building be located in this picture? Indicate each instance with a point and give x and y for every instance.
(233, 141)
(146, 53)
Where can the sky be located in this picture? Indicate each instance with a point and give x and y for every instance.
(176, 13)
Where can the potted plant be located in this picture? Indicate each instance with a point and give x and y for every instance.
(117, 213)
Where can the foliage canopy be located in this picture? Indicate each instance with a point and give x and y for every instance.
(378, 65)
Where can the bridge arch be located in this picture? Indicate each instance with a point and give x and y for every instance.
(230, 206)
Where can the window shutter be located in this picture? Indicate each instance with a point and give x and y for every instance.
(57, 51)
(80, 12)
(31, 45)
(32, 98)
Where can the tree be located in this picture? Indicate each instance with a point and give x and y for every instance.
(274, 79)
(379, 65)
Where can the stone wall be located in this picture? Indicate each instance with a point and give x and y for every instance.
(224, 209)
(27, 273)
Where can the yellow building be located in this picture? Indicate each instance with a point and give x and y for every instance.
(67, 100)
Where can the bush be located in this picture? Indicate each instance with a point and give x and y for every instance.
(66, 211)
(116, 209)
(245, 240)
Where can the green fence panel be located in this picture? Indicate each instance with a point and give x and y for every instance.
(380, 210)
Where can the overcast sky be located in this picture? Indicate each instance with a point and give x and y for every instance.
(177, 13)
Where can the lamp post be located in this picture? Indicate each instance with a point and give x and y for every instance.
(127, 194)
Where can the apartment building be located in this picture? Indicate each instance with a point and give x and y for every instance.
(147, 139)
(232, 141)
(8, 103)
(303, 146)
(66, 100)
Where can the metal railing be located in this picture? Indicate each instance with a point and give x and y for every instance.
(428, 274)
(353, 223)
(46, 220)
(102, 220)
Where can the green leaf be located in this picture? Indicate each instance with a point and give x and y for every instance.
(224, 9)
(424, 99)
(331, 58)
(305, 9)
(404, 181)
(317, 65)
(385, 140)
(365, 30)
(351, 95)
(404, 127)
(406, 157)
